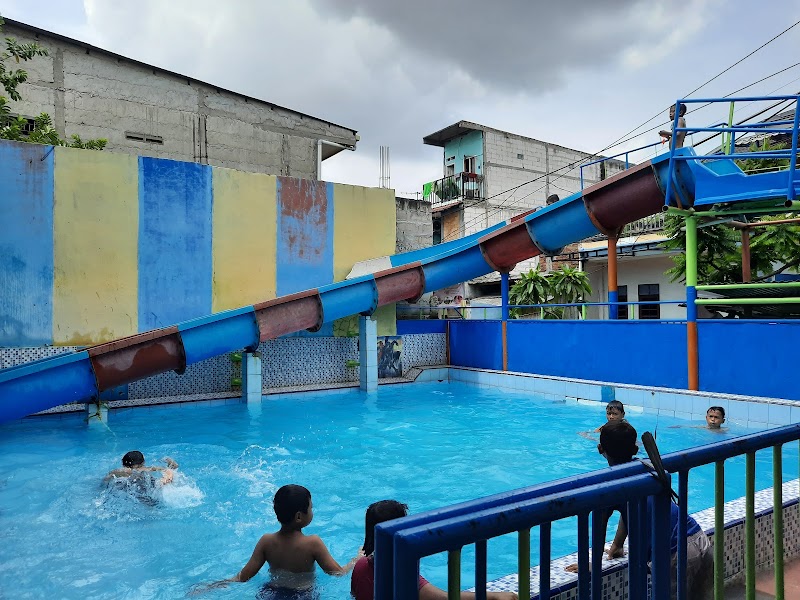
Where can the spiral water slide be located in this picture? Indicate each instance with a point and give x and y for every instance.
(81, 376)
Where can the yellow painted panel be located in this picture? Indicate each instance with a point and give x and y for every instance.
(364, 226)
(244, 238)
(95, 235)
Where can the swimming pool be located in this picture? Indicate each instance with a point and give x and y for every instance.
(428, 444)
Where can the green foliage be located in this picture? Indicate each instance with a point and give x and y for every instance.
(565, 286)
(761, 165)
(14, 127)
(446, 189)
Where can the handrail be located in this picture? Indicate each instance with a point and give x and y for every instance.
(762, 127)
(675, 462)
(625, 153)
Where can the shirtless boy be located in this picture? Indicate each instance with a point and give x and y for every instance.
(290, 553)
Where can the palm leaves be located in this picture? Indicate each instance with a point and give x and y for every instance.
(565, 286)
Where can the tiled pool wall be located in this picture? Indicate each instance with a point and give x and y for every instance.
(286, 362)
(563, 585)
(751, 411)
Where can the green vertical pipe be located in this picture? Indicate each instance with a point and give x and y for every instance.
(777, 518)
(583, 312)
(750, 527)
(719, 530)
(524, 553)
(454, 574)
(727, 136)
(691, 251)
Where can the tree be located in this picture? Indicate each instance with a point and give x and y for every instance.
(14, 127)
(570, 286)
(761, 165)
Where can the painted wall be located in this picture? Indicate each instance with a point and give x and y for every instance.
(95, 245)
(470, 144)
(632, 271)
(649, 353)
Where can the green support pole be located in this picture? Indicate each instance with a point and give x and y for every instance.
(719, 531)
(750, 527)
(726, 137)
(777, 518)
(454, 574)
(524, 553)
(740, 286)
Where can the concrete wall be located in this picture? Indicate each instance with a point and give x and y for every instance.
(96, 94)
(95, 246)
(414, 225)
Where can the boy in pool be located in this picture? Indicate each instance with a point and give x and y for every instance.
(133, 465)
(615, 411)
(362, 584)
(618, 442)
(290, 553)
(715, 417)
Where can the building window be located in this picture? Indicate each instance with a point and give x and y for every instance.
(622, 296)
(649, 292)
(437, 231)
(520, 156)
(469, 164)
(449, 170)
(143, 137)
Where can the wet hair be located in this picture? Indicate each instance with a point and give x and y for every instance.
(618, 440)
(290, 500)
(618, 405)
(134, 458)
(378, 512)
(717, 408)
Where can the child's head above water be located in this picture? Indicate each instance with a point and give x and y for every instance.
(378, 512)
(292, 504)
(715, 417)
(134, 458)
(618, 442)
(615, 411)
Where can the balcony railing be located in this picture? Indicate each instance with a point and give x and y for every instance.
(461, 186)
(650, 224)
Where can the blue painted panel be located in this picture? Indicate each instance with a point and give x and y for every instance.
(223, 332)
(560, 224)
(26, 244)
(175, 262)
(477, 344)
(40, 385)
(639, 352)
(458, 266)
(427, 253)
(359, 295)
(412, 326)
(469, 144)
(305, 235)
(749, 358)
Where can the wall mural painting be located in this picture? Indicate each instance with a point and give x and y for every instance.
(390, 354)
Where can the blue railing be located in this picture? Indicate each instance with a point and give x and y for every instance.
(625, 153)
(763, 127)
(401, 543)
(461, 311)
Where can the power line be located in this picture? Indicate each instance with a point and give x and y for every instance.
(623, 138)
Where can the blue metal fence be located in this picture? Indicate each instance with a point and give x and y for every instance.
(401, 543)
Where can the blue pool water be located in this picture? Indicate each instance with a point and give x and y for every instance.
(428, 445)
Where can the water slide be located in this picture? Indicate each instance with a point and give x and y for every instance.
(603, 208)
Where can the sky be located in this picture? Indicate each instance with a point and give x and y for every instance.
(570, 72)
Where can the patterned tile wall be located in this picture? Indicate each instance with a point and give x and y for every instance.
(286, 362)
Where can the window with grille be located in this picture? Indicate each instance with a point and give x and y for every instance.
(649, 292)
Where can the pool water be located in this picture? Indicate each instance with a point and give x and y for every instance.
(64, 535)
